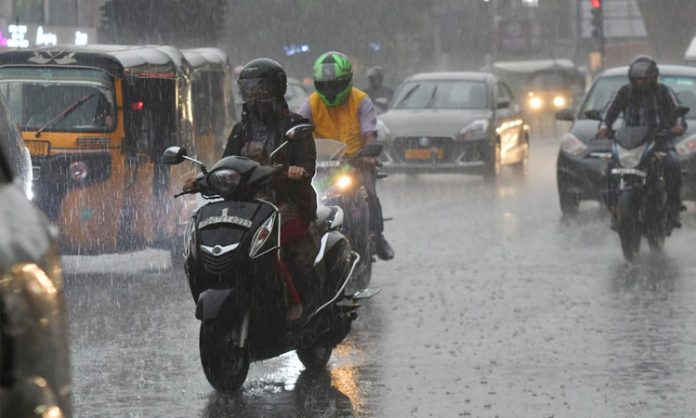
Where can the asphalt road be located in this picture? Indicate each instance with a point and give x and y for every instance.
(492, 308)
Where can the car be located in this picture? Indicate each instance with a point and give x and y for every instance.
(464, 122)
(34, 364)
(581, 169)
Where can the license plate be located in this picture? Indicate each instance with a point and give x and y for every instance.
(424, 154)
(38, 148)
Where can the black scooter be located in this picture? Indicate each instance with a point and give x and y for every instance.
(235, 273)
(339, 182)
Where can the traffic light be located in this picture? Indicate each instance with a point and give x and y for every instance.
(597, 19)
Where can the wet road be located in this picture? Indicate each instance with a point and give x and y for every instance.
(493, 308)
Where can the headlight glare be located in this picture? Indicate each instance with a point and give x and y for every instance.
(535, 103)
(344, 182)
(559, 102)
(224, 181)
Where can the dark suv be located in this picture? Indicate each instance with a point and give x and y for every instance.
(34, 366)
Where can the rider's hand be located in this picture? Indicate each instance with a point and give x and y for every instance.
(677, 130)
(603, 132)
(296, 172)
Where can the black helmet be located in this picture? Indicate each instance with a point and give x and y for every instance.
(375, 75)
(263, 80)
(643, 66)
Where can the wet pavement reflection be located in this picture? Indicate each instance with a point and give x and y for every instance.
(493, 307)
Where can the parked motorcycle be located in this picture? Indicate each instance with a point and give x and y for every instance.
(237, 277)
(338, 182)
(637, 193)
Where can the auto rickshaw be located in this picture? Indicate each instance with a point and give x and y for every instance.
(213, 102)
(96, 120)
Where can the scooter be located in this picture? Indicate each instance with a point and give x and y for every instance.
(339, 182)
(239, 281)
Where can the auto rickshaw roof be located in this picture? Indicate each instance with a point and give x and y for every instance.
(149, 61)
(202, 57)
(532, 66)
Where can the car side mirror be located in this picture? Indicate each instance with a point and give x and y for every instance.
(593, 114)
(566, 115)
(504, 104)
(382, 101)
(300, 130)
(174, 155)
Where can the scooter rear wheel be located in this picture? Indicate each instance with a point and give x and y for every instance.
(314, 358)
(225, 365)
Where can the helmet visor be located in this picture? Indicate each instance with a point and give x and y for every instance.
(256, 90)
(331, 89)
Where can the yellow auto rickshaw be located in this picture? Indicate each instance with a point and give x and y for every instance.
(96, 120)
(213, 106)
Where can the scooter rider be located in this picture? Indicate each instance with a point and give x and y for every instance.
(376, 88)
(265, 119)
(342, 112)
(647, 102)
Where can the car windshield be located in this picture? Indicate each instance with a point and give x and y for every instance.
(450, 94)
(605, 88)
(67, 100)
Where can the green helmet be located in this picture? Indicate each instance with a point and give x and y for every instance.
(333, 78)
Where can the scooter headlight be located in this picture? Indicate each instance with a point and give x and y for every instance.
(344, 182)
(224, 181)
(261, 236)
(630, 158)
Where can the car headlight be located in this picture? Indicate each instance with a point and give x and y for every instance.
(536, 103)
(560, 102)
(261, 236)
(477, 129)
(383, 133)
(224, 181)
(630, 158)
(572, 145)
(687, 146)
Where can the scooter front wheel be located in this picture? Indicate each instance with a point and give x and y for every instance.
(629, 229)
(225, 365)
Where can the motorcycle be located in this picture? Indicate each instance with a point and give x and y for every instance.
(637, 192)
(239, 281)
(338, 182)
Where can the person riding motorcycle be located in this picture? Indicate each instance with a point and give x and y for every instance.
(265, 120)
(647, 102)
(342, 112)
(376, 88)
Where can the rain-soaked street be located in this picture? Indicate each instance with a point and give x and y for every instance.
(492, 308)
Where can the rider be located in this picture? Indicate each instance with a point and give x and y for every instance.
(342, 112)
(647, 102)
(265, 119)
(376, 88)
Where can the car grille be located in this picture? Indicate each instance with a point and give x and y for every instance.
(218, 265)
(403, 145)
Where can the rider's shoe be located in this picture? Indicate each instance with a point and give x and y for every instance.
(384, 250)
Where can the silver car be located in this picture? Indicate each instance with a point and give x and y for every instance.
(454, 122)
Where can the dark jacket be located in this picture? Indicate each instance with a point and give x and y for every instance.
(655, 109)
(299, 151)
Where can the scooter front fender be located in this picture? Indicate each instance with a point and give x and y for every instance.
(213, 302)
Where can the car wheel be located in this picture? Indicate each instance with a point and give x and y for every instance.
(315, 357)
(491, 169)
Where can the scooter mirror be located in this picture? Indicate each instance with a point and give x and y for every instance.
(683, 111)
(174, 155)
(297, 131)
